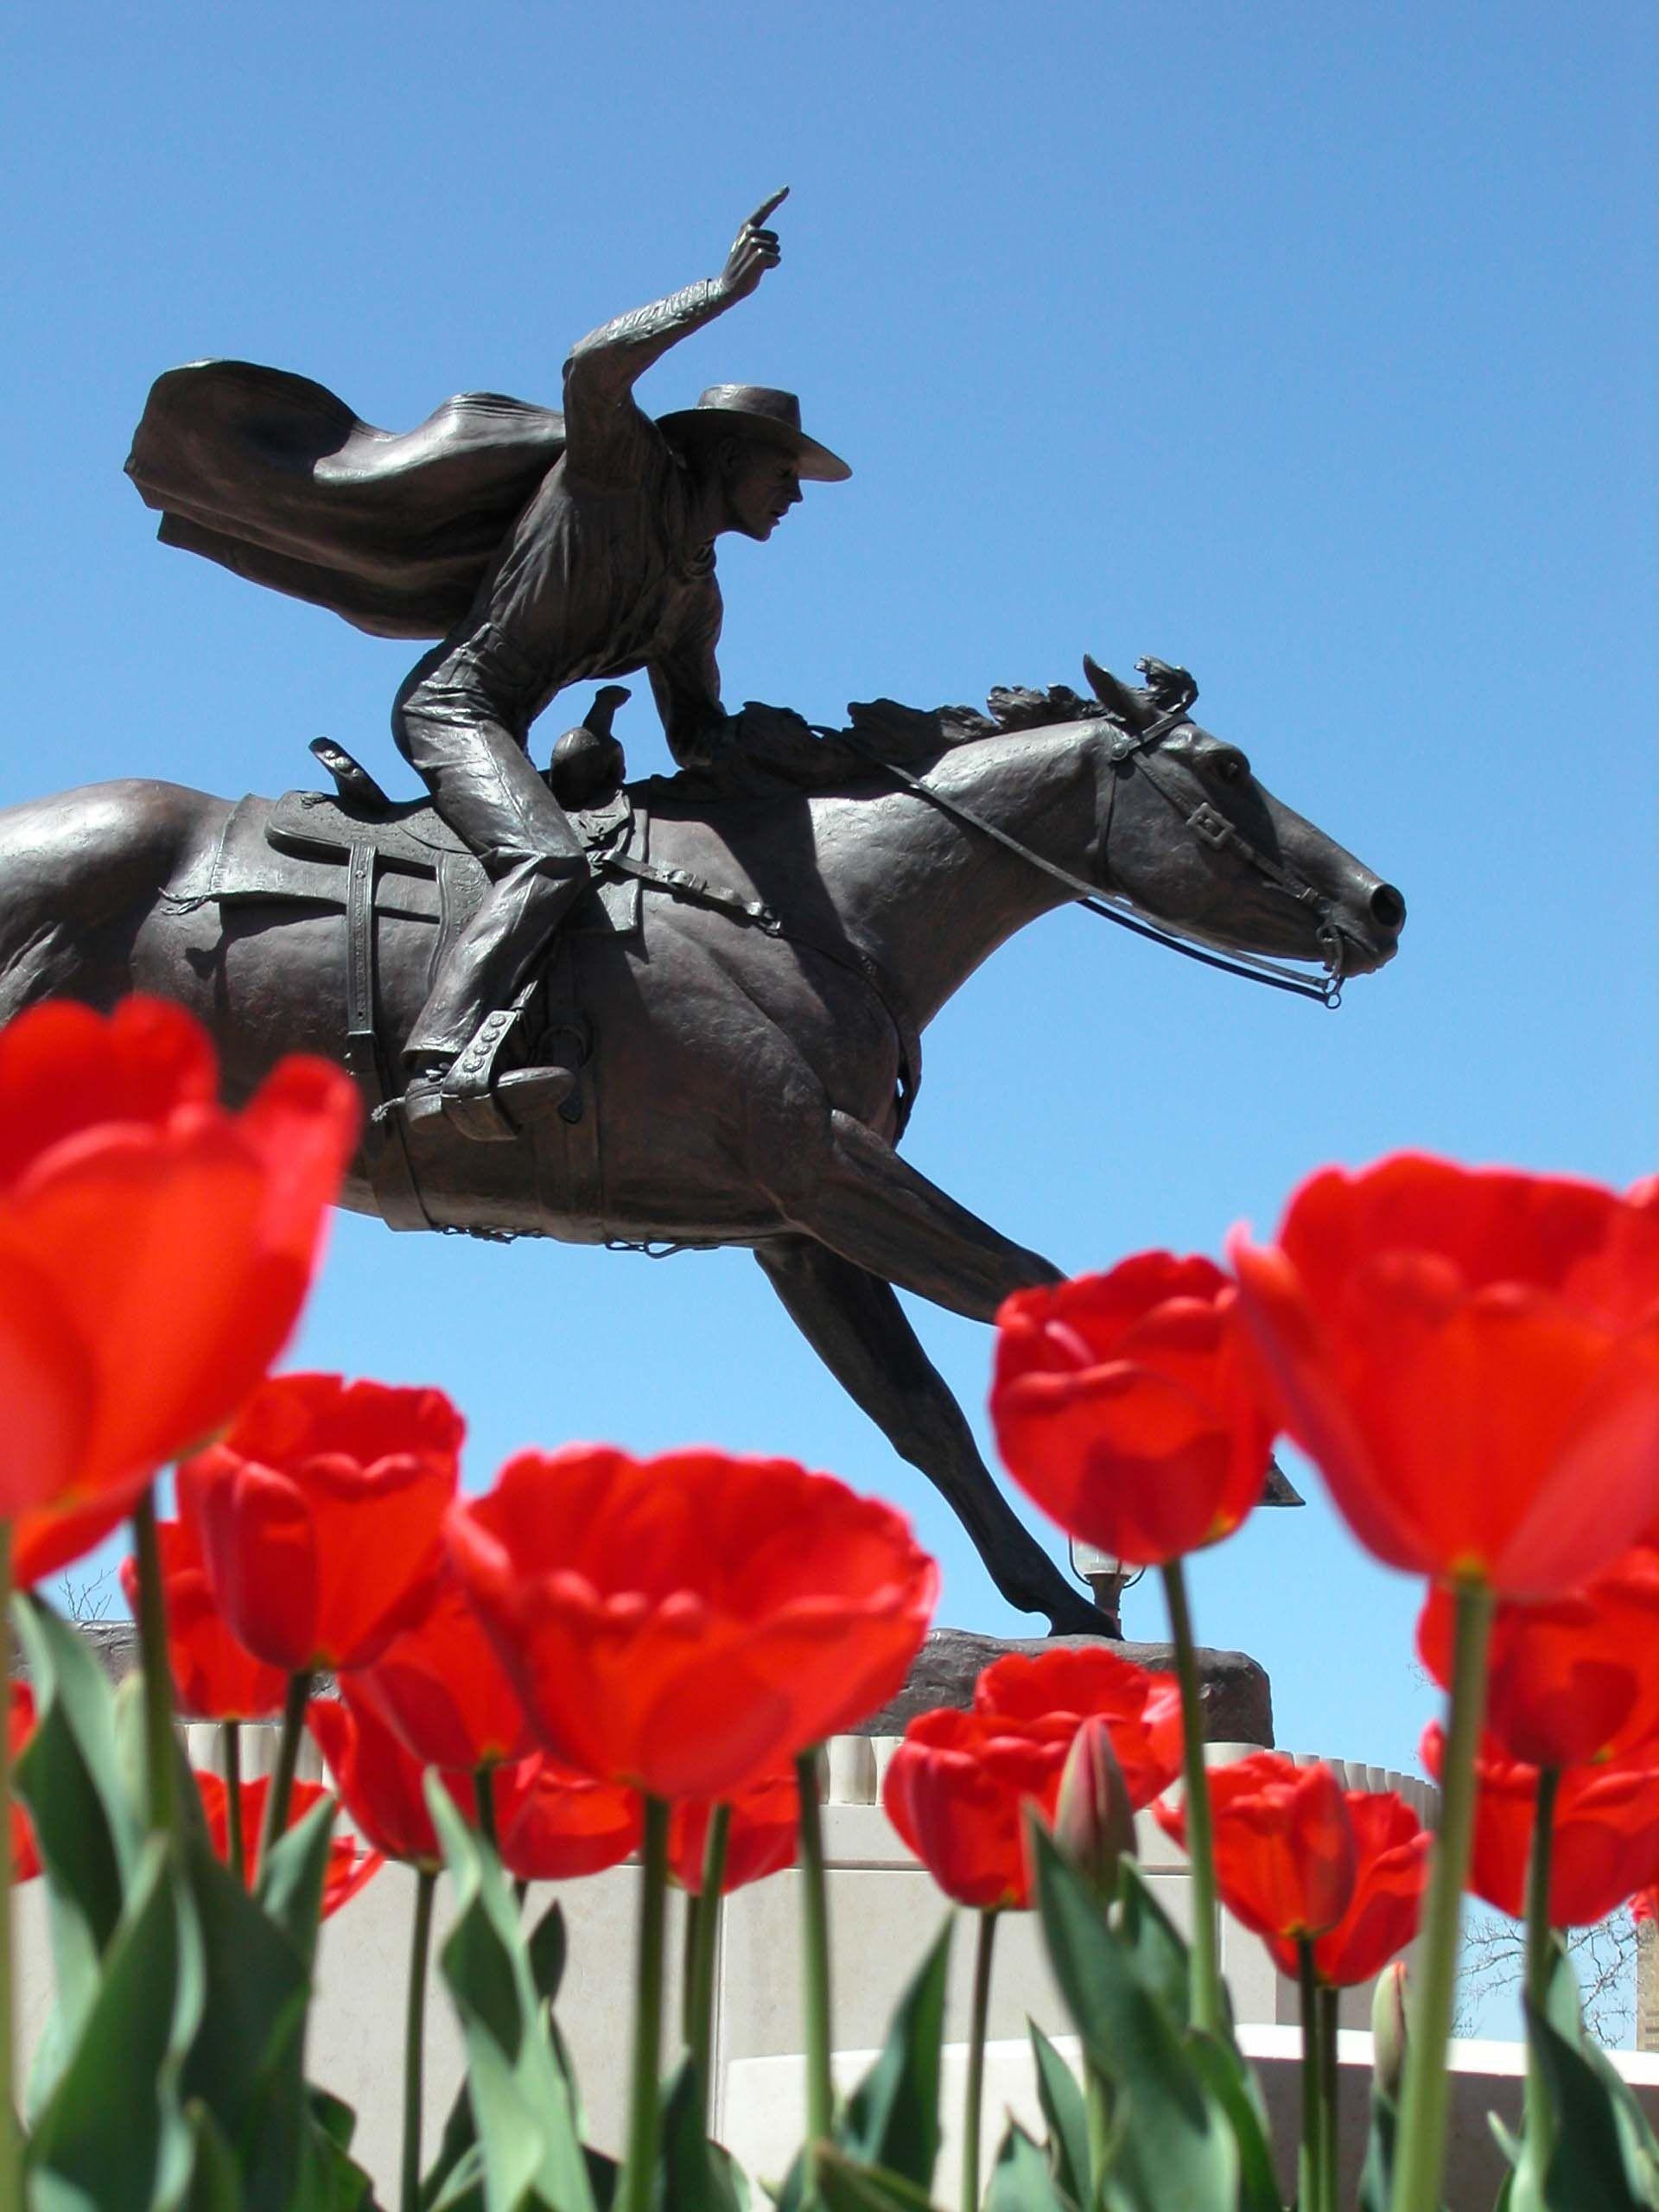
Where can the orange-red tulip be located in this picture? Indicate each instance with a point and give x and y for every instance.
(1129, 1406)
(1605, 1832)
(439, 1685)
(154, 1251)
(349, 1865)
(1391, 1848)
(685, 1624)
(1573, 1680)
(1070, 1683)
(1286, 1860)
(762, 1838)
(554, 1825)
(381, 1784)
(957, 1789)
(216, 1678)
(1471, 1356)
(20, 1726)
(318, 1516)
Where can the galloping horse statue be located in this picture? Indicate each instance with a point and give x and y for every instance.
(749, 983)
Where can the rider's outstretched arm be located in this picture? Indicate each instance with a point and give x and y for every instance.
(600, 373)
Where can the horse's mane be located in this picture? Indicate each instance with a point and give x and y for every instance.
(777, 750)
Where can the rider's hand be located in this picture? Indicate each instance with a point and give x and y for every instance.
(753, 251)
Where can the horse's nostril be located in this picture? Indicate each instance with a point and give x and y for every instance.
(1388, 907)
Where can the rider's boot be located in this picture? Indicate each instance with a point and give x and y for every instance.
(490, 1089)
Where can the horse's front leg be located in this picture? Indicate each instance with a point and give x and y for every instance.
(855, 1324)
(855, 1194)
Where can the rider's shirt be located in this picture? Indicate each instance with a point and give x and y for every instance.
(601, 574)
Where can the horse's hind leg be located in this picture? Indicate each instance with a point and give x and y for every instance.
(856, 1325)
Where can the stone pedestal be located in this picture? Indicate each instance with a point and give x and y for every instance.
(1238, 1697)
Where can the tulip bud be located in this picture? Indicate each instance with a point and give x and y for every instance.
(1389, 2032)
(1094, 1826)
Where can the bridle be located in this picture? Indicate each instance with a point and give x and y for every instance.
(1132, 750)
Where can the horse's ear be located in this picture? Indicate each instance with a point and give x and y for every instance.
(1171, 689)
(1122, 704)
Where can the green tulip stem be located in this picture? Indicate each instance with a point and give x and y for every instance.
(419, 1949)
(160, 1752)
(974, 2103)
(1425, 2098)
(483, 1793)
(1538, 1951)
(1207, 2012)
(638, 2184)
(702, 1955)
(1310, 2186)
(1330, 2090)
(815, 1938)
(287, 1759)
(11, 2180)
(230, 1738)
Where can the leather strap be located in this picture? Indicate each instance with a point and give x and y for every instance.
(391, 1176)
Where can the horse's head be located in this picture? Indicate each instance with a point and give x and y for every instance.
(1241, 871)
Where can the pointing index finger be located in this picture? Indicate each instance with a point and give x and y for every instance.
(766, 208)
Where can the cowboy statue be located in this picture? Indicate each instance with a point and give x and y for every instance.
(546, 549)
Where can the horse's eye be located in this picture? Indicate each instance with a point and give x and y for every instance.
(1231, 767)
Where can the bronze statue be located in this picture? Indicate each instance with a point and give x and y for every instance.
(690, 1008)
(609, 567)
(749, 979)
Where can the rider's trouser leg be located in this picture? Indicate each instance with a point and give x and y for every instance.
(455, 728)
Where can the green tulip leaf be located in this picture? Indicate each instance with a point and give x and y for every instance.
(114, 2134)
(521, 2097)
(1022, 2180)
(87, 1829)
(844, 2185)
(246, 2063)
(891, 2119)
(1060, 2095)
(1377, 2175)
(215, 2184)
(696, 2175)
(292, 1877)
(1153, 1946)
(1175, 2144)
(549, 1948)
(1232, 2081)
(1600, 2150)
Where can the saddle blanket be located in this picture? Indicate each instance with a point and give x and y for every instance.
(298, 847)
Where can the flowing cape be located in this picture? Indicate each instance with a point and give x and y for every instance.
(274, 478)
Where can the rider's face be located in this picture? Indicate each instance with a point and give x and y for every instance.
(760, 484)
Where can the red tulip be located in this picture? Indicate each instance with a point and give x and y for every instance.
(379, 1783)
(1605, 1833)
(1391, 1849)
(349, 1865)
(216, 1679)
(686, 1624)
(1572, 1680)
(1069, 1683)
(439, 1687)
(762, 1838)
(554, 1825)
(1128, 1406)
(1471, 1355)
(956, 1791)
(154, 1251)
(318, 1516)
(25, 1856)
(1286, 1859)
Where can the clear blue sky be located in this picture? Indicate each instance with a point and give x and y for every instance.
(1309, 347)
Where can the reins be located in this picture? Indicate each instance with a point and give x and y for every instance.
(1203, 820)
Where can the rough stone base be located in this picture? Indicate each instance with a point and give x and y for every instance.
(1237, 1697)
